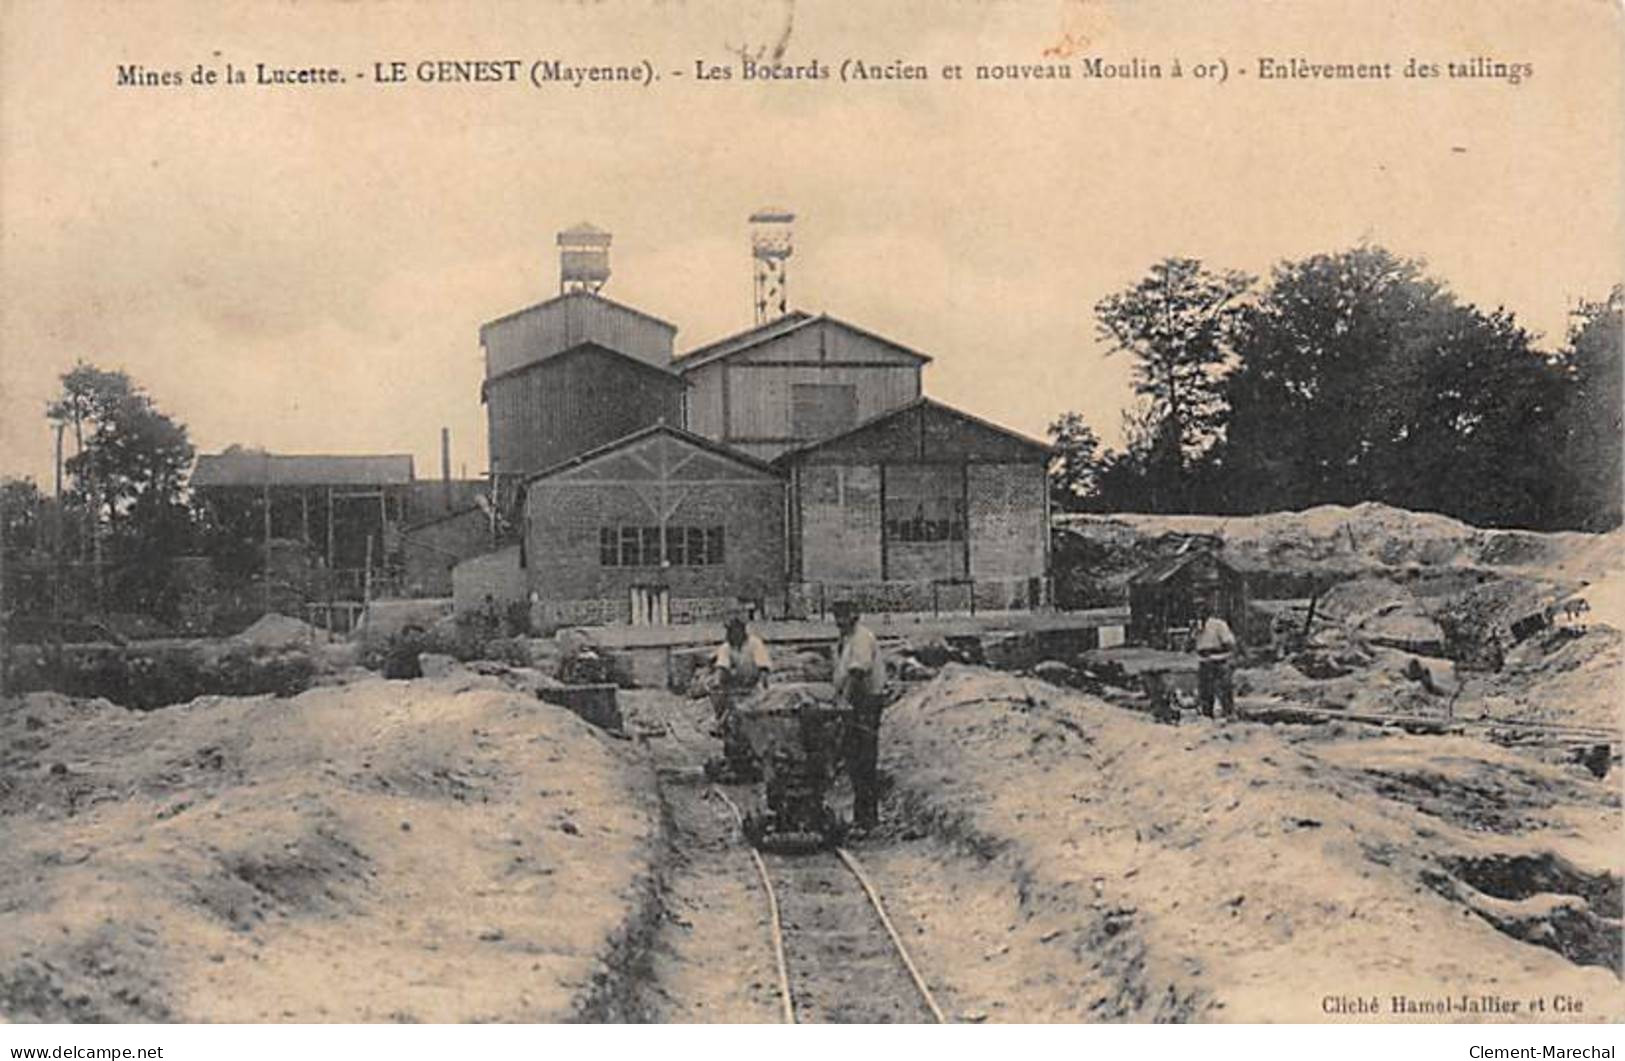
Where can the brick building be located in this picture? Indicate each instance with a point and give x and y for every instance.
(659, 526)
(637, 483)
(922, 508)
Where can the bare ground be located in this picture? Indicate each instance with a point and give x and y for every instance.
(409, 851)
(1120, 869)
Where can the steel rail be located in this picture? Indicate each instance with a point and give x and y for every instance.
(851, 863)
(776, 924)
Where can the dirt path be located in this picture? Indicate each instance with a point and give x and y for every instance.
(714, 958)
(711, 960)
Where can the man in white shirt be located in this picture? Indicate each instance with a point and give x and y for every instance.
(739, 668)
(860, 680)
(1215, 645)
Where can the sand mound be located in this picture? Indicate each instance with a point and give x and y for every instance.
(272, 630)
(425, 851)
(1335, 539)
(1244, 872)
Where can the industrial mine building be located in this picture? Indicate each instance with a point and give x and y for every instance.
(777, 469)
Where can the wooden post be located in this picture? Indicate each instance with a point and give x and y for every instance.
(330, 534)
(56, 544)
(366, 587)
(265, 573)
(884, 558)
(964, 518)
(304, 514)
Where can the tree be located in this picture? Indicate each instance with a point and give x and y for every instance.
(1592, 368)
(1074, 471)
(1362, 378)
(1318, 394)
(1176, 323)
(129, 468)
(20, 508)
(125, 450)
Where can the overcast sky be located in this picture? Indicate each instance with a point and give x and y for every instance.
(306, 269)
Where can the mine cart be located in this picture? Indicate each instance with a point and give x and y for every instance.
(796, 732)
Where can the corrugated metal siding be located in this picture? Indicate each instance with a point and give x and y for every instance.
(553, 327)
(561, 409)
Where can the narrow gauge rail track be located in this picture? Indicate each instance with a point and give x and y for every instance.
(838, 955)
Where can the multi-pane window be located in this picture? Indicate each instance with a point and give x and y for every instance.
(924, 503)
(641, 546)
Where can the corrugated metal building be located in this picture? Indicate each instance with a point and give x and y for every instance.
(921, 508)
(660, 526)
(793, 381)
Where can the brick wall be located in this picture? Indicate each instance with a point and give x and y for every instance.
(565, 568)
(805, 599)
(840, 514)
(1007, 531)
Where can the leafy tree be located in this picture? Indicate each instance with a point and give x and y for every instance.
(129, 469)
(20, 509)
(125, 449)
(1476, 437)
(1320, 393)
(1176, 324)
(1360, 377)
(1074, 471)
(1591, 416)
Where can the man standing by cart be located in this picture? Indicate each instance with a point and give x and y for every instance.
(860, 681)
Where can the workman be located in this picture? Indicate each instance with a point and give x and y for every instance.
(1215, 645)
(860, 682)
(740, 667)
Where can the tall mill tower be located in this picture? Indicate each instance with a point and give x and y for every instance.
(583, 259)
(770, 247)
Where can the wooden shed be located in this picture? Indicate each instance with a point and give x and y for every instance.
(1164, 597)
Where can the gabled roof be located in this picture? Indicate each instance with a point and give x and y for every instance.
(567, 296)
(918, 404)
(791, 322)
(587, 347)
(656, 429)
(242, 467)
(1160, 571)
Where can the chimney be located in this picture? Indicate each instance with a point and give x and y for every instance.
(445, 468)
